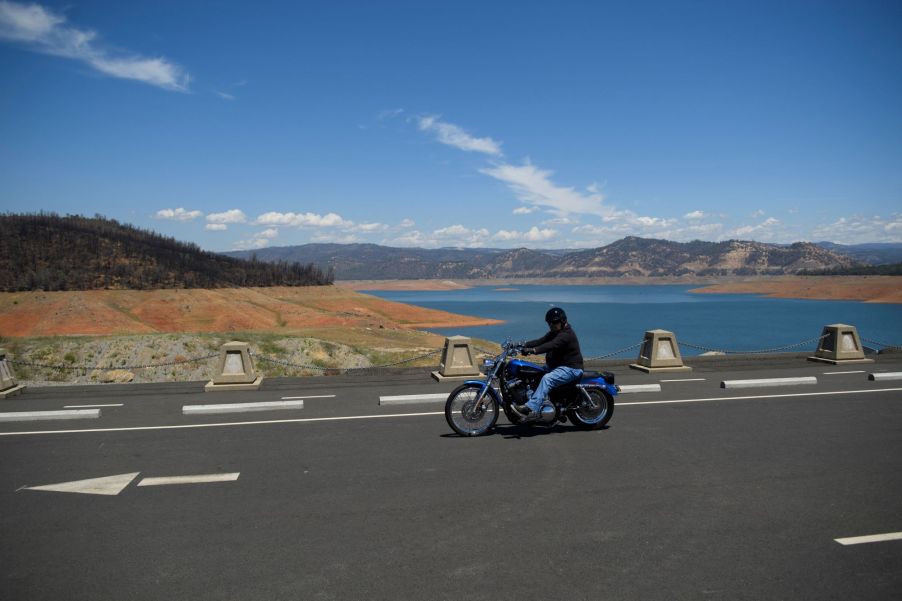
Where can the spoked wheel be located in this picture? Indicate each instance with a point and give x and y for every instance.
(465, 415)
(594, 410)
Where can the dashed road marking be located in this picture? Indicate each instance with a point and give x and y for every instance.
(28, 416)
(198, 479)
(425, 414)
(632, 388)
(93, 406)
(763, 382)
(886, 375)
(839, 373)
(241, 407)
(407, 399)
(873, 538)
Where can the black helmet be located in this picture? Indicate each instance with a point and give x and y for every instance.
(555, 314)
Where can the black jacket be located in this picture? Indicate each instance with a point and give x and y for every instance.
(561, 348)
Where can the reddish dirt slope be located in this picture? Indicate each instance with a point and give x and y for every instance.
(109, 312)
(871, 289)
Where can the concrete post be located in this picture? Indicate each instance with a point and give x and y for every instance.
(840, 343)
(235, 369)
(660, 353)
(458, 360)
(8, 385)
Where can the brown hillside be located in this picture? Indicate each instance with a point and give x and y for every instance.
(278, 309)
(870, 289)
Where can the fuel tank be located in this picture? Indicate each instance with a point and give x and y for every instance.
(524, 369)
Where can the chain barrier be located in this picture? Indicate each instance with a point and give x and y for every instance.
(87, 368)
(615, 353)
(759, 352)
(885, 346)
(266, 359)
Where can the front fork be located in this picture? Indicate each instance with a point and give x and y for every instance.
(477, 403)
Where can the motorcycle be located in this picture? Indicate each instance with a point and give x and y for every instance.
(472, 408)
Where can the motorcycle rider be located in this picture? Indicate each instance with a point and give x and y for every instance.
(562, 356)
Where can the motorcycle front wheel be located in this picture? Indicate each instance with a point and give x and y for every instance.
(594, 410)
(465, 415)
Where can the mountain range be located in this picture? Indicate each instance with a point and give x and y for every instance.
(627, 257)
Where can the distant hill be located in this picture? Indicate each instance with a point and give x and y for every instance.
(49, 252)
(627, 257)
(869, 254)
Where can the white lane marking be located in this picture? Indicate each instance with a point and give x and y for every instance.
(297, 398)
(241, 407)
(839, 373)
(198, 479)
(28, 416)
(886, 375)
(424, 414)
(873, 538)
(108, 485)
(761, 383)
(92, 406)
(227, 424)
(687, 380)
(406, 399)
(631, 388)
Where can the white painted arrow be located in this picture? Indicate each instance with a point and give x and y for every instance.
(108, 485)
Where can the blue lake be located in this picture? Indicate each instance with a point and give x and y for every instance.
(610, 318)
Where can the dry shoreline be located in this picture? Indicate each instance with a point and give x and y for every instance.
(869, 289)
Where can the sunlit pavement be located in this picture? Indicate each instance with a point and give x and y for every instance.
(695, 491)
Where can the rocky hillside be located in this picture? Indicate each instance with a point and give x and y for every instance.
(627, 257)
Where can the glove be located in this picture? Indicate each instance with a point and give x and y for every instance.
(529, 351)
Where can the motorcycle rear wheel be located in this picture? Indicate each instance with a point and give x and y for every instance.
(594, 411)
(466, 417)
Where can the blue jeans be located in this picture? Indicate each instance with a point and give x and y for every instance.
(556, 377)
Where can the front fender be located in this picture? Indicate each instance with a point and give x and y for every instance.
(483, 384)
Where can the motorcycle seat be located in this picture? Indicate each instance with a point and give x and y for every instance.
(607, 376)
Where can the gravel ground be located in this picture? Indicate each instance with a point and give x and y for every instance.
(183, 357)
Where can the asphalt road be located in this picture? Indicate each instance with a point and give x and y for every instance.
(694, 492)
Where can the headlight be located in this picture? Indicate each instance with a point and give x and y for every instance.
(488, 365)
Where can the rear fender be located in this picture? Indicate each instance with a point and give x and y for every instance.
(611, 389)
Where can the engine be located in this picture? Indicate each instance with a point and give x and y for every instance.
(518, 391)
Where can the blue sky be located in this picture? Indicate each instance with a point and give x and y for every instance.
(497, 124)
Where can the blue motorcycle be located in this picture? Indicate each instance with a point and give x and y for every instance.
(472, 408)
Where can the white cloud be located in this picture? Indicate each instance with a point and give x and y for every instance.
(766, 226)
(369, 228)
(757, 214)
(452, 135)
(859, 229)
(45, 31)
(525, 210)
(534, 187)
(405, 223)
(302, 219)
(269, 233)
(533, 235)
(459, 235)
(230, 216)
(253, 243)
(224, 95)
(179, 214)
(695, 215)
(216, 227)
